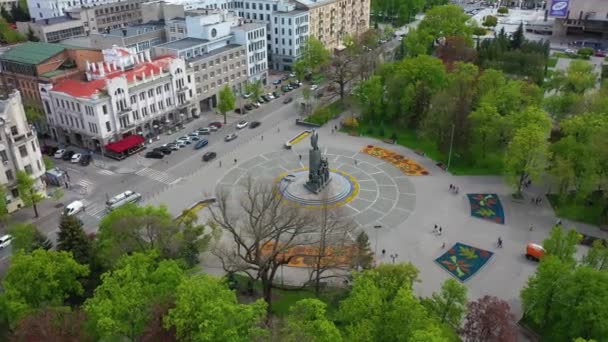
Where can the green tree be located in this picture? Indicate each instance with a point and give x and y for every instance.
(562, 105)
(206, 310)
(517, 38)
(307, 321)
(487, 127)
(255, 89)
(3, 204)
(5, 15)
(31, 36)
(526, 155)
(417, 42)
(446, 21)
(575, 165)
(27, 238)
(9, 35)
(314, 58)
(577, 79)
(490, 21)
(41, 278)
(49, 163)
(365, 256)
(597, 257)
(562, 244)
(122, 305)
(226, 101)
(370, 95)
(72, 238)
(28, 192)
(192, 238)
(449, 305)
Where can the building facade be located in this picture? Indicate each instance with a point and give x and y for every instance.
(19, 149)
(45, 9)
(127, 94)
(253, 37)
(107, 16)
(290, 30)
(8, 4)
(140, 37)
(53, 30)
(582, 17)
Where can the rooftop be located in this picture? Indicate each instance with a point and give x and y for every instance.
(290, 13)
(215, 52)
(32, 52)
(249, 26)
(136, 30)
(54, 21)
(314, 3)
(86, 89)
(183, 43)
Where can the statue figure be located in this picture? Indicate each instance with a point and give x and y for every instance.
(314, 139)
(318, 168)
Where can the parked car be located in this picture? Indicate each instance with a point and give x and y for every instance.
(534, 251)
(277, 82)
(314, 87)
(155, 155)
(180, 144)
(67, 155)
(75, 158)
(270, 96)
(286, 89)
(73, 208)
(212, 128)
(163, 150)
(248, 107)
(261, 100)
(570, 51)
(265, 98)
(86, 159)
(230, 137)
(59, 154)
(255, 104)
(292, 75)
(5, 241)
(254, 124)
(185, 140)
(600, 53)
(247, 95)
(194, 134)
(275, 94)
(204, 130)
(201, 144)
(285, 77)
(242, 124)
(287, 100)
(209, 156)
(216, 124)
(171, 146)
(49, 150)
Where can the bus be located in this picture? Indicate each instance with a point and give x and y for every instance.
(122, 199)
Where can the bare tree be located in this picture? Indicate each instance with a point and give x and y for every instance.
(263, 228)
(342, 71)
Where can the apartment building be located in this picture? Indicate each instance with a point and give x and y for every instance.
(290, 30)
(45, 9)
(580, 17)
(332, 20)
(8, 4)
(253, 37)
(140, 37)
(54, 29)
(26, 65)
(128, 94)
(107, 16)
(19, 149)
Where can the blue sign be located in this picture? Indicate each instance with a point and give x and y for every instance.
(559, 8)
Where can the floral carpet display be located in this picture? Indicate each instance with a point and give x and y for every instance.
(463, 261)
(487, 207)
(408, 166)
(306, 256)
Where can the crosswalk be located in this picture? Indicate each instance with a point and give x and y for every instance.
(106, 172)
(85, 183)
(158, 176)
(96, 210)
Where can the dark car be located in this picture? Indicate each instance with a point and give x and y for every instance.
(287, 100)
(254, 124)
(209, 156)
(155, 155)
(275, 94)
(261, 100)
(216, 124)
(239, 111)
(277, 82)
(48, 150)
(265, 98)
(248, 107)
(163, 149)
(286, 89)
(285, 77)
(67, 155)
(201, 144)
(85, 160)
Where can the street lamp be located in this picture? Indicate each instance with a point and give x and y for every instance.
(376, 228)
(394, 256)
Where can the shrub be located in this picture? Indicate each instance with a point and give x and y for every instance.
(585, 52)
(394, 136)
(479, 31)
(351, 122)
(381, 131)
(370, 131)
(490, 21)
(503, 10)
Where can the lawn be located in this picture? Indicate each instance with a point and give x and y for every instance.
(577, 210)
(408, 138)
(326, 113)
(552, 62)
(570, 55)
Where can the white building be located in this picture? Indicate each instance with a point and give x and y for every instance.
(253, 37)
(45, 9)
(290, 30)
(19, 149)
(127, 94)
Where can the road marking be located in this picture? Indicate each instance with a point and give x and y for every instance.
(106, 172)
(94, 209)
(74, 170)
(85, 183)
(158, 176)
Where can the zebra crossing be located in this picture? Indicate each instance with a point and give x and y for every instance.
(96, 210)
(158, 176)
(106, 172)
(85, 183)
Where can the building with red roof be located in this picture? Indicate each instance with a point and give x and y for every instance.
(128, 94)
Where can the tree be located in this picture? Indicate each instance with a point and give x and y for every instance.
(314, 57)
(597, 257)
(526, 155)
(39, 279)
(28, 191)
(577, 79)
(122, 305)
(341, 71)
(486, 125)
(562, 244)
(490, 21)
(72, 238)
(3, 204)
(226, 102)
(27, 238)
(262, 241)
(489, 319)
(191, 238)
(53, 324)
(446, 21)
(364, 256)
(370, 95)
(9, 35)
(517, 38)
(5, 15)
(255, 89)
(449, 305)
(206, 310)
(31, 36)
(307, 321)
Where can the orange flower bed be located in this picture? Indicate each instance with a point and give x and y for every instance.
(408, 166)
(306, 256)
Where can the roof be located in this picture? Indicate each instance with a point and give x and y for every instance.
(183, 43)
(249, 26)
(77, 88)
(55, 20)
(136, 30)
(215, 52)
(122, 145)
(32, 52)
(314, 3)
(290, 13)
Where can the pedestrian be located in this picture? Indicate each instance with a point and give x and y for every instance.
(220, 163)
(356, 161)
(531, 227)
(559, 222)
(383, 252)
(300, 156)
(336, 128)
(262, 138)
(67, 175)
(66, 185)
(235, 160)
(440, 230)
(443, 245)
(435, 229)
(451, 187)
(84, 208)
(499, 242)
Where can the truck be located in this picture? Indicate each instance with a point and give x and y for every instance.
(122, 199)
(534, 251)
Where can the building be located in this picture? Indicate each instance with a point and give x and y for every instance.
(19, 149)
(107, 16)
(253, 37)
(290, 30)
(127, 94)
(587, 18)
(139, 37)
(333, 20)
(8, 4)
(53, 29)
(26, 65)
(46, 9)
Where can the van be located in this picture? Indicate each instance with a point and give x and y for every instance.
(534, 251)
(73, 208)
(5, 241)
(122, 199)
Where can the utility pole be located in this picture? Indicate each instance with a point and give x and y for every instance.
(376, 228)
(450, 153)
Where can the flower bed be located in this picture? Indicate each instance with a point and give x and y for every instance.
(408, 166)
(463, 261)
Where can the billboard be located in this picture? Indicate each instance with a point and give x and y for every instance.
(559, 8)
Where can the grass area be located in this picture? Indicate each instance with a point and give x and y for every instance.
(580, 210)
(326, 113)
(570, 55)
(552, 62)
(492, 165)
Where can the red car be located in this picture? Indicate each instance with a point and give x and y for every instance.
(216, 124)
(600, 53)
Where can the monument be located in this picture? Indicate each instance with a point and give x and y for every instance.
(318, 168)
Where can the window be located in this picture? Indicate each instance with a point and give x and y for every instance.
(28, 169)
(159, 89)
(34, 146)
(142, 96)
(23, 151)
(108, 128)
(9, 175)
(133, 99)
(4, 156)
(151, 93)
(104, 109)
(14, 130)
(167, 87)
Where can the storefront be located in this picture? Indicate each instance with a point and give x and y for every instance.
(125, 147)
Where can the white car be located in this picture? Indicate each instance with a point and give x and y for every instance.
(73, 208)
(230, 137)
(212, 128)
(5, 241)
(76, 158)
(59, 154)
(194, 134)
(205, 130)
(270, 96)
(242, 124)
(185, 140)
(247, 95)
(314, 87)
(570, 51)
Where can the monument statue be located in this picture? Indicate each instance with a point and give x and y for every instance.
(318, 168)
